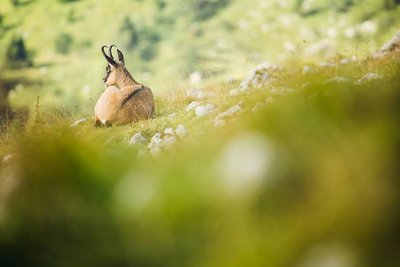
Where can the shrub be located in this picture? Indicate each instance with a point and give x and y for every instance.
(17, 56)
(63, 43)
(205, 9)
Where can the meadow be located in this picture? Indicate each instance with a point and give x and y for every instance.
(275, 140)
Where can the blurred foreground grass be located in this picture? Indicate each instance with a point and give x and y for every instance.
(310, 179)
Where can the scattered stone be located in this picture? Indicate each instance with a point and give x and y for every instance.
(156, 141)
(192, 106)
(327, 64)
(76, 123)
(219, 123)
(195, 77)
(391, 46)
(197, 93)
(339, 79)
(307, 69)
(7, 158)
(322, 47)
(168, 141)
(204, 110)
(257, 78)
(345, 61)
(169, 131)
(257, 107)
(155, 151)
(234, 92)
(369, 77)
(137, 138)
(280, 91)
(229, 113)
(181, 131)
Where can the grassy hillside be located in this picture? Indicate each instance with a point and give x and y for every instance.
(285, 153)
(165, 41)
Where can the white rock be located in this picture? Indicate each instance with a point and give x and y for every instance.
(234, 92)
(76, 123)
(307, 69)
(339, 79)
(168, 141)
(322, 47)
(368, 27)
(192, 106)
(169, 131)
(7, 158)
(155, 151)
(204, 110)
(230, 112)
(257, 107)
(137, 138)
(181, 131)
(156, 141)
(219, 123)
(369, 77)
(345, 61)
(196, 93)
(195, 77)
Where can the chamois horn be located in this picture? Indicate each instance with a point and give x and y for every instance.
(110, 51)
(109, 59)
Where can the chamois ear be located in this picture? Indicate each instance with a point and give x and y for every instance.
(109, 59)
(120, 56)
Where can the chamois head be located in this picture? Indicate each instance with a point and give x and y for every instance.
(116, 73)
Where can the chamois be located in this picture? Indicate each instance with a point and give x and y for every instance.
(124, 100)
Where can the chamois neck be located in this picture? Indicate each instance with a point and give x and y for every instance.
(126, 79)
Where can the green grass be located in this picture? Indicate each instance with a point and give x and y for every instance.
(326, 189)
(306, 174)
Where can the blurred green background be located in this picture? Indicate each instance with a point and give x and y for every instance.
(305, 176)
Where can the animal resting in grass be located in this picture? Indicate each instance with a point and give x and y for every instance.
(124, 100)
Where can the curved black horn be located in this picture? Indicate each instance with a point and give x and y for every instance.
(120, 56)
(110, 60)
(110, 51)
